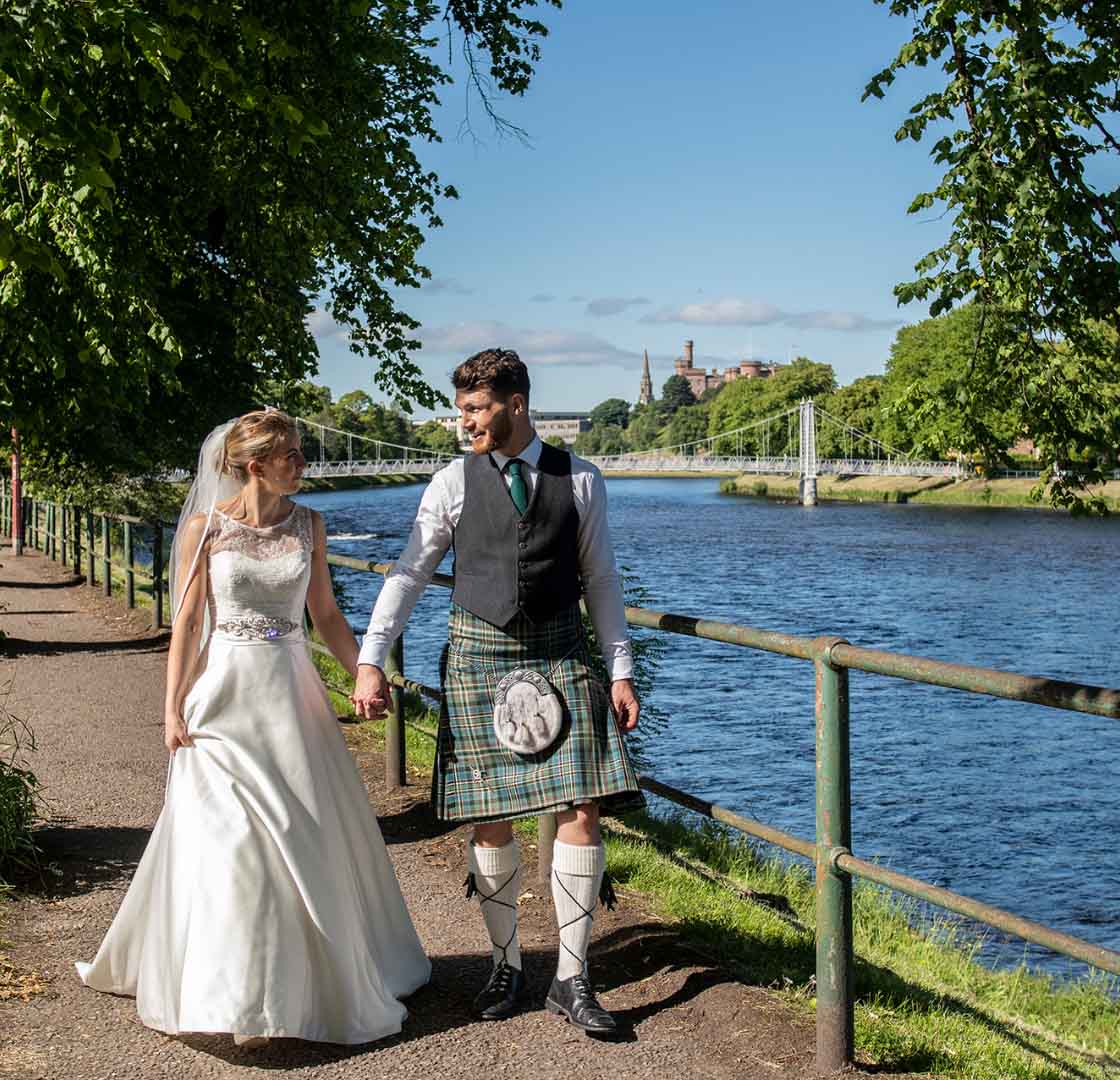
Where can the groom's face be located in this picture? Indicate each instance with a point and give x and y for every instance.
(486, 419)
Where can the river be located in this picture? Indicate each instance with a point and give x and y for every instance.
(1010, 803)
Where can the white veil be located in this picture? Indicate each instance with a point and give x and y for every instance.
(210, 485)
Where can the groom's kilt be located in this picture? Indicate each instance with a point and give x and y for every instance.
(478, 779)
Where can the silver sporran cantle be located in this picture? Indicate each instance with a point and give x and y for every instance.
(527, 712)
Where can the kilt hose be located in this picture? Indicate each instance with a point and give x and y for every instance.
(478, 779)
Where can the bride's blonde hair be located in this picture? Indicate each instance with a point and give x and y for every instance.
(253, 437)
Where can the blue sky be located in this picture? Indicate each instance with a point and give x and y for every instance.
(710, 175)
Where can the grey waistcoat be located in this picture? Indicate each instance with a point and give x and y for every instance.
(504, 563)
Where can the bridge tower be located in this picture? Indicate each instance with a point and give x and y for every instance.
(808, 453)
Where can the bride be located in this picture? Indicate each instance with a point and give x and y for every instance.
(265, 903)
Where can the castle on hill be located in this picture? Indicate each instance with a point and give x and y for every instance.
(699, 379)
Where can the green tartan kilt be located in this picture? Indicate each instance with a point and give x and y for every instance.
(478, 779)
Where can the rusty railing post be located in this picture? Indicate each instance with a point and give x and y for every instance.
(129, 573)
(17, 498)
(76, 539)
(394, 719)
(106, 553)
(91, 554)
(835, 1007)
(157, 575)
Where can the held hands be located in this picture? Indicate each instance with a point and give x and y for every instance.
(371, 693)
(175, 731)
(624, 704)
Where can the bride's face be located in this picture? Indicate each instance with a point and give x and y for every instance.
(282, 471)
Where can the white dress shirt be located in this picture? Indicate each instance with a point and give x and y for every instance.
(433, 533)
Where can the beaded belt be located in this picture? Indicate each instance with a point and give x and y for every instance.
(257, 627)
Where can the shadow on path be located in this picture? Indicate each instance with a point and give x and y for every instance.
(69, 583)
(73, 861)
(13, 646)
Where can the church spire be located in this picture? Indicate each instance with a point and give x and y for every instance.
(645, 393)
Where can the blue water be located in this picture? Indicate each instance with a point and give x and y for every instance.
(1013, 804)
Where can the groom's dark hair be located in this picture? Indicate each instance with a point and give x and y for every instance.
(498, 370)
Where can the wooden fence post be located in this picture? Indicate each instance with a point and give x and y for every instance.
(106, 553)
(91, 554)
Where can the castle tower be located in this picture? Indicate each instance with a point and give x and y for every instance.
(645, 393)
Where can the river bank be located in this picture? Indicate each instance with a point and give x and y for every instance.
(1012, 492)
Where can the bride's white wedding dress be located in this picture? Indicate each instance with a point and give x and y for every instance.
(265, 902)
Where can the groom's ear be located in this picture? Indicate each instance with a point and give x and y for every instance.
(518, 404)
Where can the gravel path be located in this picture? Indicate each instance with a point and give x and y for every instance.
(88, 676)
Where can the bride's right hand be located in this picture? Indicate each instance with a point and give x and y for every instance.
(175, 732)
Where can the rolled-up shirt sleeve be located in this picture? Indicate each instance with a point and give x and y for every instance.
(601, 586)
(428, 542)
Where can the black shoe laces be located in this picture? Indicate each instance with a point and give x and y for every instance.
(501, 979)
(581, 984)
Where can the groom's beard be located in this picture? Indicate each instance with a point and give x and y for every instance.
(497, 434)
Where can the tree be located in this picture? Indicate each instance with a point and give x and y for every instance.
(435, 436)
(676, 394)
(557, 441)
(600, 441)
(1030, 94)
(180, 183)
(646, 425)
(860, 405)
(688, 426)
(613, 411)
(746, 403)
(923, 408)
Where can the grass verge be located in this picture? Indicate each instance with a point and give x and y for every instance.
(924, 1004)
(1007, 492)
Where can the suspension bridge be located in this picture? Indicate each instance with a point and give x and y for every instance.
(783, 444)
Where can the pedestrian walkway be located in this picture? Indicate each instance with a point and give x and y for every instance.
(88, 676)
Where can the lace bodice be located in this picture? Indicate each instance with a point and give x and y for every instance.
(258, 577)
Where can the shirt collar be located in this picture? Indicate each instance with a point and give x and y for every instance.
(531, 455)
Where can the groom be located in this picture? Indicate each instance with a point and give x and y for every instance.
(529, 527)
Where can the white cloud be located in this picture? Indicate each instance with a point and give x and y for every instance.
(323, 327)
(553, 347)
(541, 298)
(612, 305)
(735, 311)
(840, 320)
(726, 312)
(447, 285)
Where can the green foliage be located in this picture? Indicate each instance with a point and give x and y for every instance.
(745, 401)
(858, 404)
(647, 422)
(601, 441)
(1021, 123)
(676, 394)
(689, 424)
(613, 412)
(181, 182)
(925, 407)
(557, 441)
(436, 437)
(19, 793)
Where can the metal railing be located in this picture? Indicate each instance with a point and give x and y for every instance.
(84, 540)
(832, 658)
(56, 529)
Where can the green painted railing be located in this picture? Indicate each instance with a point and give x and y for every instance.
(97, 543)
(56, 530)
(836, 865)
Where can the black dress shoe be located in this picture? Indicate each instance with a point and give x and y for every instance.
(573, 998)
(499, 997)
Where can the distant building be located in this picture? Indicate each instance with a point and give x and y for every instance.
(700, 380)
(645, 392)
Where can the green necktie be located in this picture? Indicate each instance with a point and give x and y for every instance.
(517, 489)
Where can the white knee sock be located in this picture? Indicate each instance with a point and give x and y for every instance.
(577, 873)
(497, 874)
